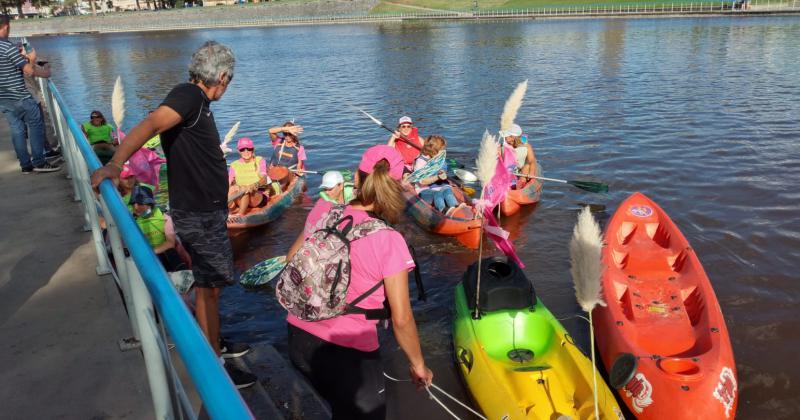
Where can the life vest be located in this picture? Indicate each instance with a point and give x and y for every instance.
(153, 227)
(347, 193)
(286, 158)
(246, 173)
(410, 153)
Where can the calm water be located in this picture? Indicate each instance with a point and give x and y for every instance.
(699, 114)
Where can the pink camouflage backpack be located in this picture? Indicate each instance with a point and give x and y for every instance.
(313, 286)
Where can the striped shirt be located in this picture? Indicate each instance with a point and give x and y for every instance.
(12, 84)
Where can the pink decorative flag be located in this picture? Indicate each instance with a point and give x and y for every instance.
(145, 165)
(493, 194)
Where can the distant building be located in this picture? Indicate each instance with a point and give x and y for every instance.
(28, 10)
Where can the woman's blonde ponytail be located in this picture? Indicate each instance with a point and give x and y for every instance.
(382, 191)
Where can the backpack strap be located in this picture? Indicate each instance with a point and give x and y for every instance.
(382, 313)
(367, 227)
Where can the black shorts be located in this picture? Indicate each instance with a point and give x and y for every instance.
(204, 234)
(350, 380)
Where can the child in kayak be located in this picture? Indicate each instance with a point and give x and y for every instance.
(517, 155)
(435, 189)
(247, 175)
(340, 356)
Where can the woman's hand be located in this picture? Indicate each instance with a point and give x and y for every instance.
(109, 171)
(421, 376)
(293, 130)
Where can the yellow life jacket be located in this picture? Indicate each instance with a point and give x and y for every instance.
(154, 227)
(246, 173)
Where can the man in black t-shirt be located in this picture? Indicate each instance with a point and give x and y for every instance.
(198, 181)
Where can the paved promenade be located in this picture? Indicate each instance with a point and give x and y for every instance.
(59, 321)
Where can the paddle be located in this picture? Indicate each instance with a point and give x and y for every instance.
(263, 272)
(402, 137)
(595, 187)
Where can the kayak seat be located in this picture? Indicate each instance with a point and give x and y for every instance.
(503, 286)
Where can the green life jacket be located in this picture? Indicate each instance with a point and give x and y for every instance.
(246, 173)
(153, 227)
(347, 192)
(97, 134)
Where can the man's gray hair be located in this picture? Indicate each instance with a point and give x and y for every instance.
(209, 61)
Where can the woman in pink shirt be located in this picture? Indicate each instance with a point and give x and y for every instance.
(340, 355)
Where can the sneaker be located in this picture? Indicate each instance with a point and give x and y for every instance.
(54, 160)
(28, 170)
(52, 153)
(230, 350)
(47, 167)
(239, 377)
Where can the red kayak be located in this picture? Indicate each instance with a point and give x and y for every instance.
(662, 336)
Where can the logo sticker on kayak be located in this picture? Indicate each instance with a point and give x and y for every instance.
(641, 211)
(725, 391)
(640, 392)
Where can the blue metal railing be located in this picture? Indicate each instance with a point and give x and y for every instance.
(220, 398)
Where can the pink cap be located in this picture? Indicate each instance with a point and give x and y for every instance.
(376, 154)
(126, 172)
(244, 143)
(404, 120)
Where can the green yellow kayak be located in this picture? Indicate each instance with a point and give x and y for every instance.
(517, 360)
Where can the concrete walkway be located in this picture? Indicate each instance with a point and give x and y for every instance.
(59, 321)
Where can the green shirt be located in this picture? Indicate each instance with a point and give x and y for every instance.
(97, 134)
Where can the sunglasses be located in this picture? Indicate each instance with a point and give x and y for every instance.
(96, 117)
(246, 149)
(406, 125)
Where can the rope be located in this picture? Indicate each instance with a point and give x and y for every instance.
(438, 401)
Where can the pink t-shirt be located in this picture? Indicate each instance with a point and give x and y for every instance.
(372, 258)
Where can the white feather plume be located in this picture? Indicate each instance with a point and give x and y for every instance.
(228, 137)
(487, 158)
(118, 103)
(513, 103)
(585, 259)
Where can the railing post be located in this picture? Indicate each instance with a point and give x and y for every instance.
(67, 150)
(118, 252)
(90, 207)
(145, 319)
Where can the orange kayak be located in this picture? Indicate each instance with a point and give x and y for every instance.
(516, 198)
(662, 336)
(460, 224)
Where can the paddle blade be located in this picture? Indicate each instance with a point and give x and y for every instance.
(465, 175)
(595, 187)
(263, 272)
